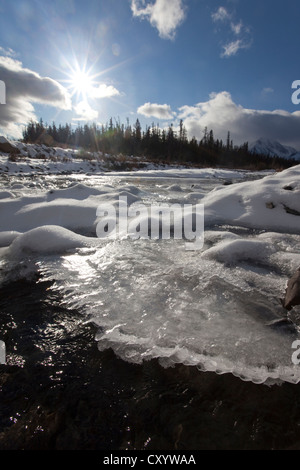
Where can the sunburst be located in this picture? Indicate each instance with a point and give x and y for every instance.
(83, 85)
(81, 82)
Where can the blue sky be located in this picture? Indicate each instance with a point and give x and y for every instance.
(227, 65)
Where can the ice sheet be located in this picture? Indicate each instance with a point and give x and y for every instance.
(217, 308)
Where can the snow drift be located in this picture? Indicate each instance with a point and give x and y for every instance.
(272, 203)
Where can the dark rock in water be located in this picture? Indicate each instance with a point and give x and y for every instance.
(283, 324)
(292, 293)
(290, 210)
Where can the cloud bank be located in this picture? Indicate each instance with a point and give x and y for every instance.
(164, 15)
(221, 114)
(24, 87)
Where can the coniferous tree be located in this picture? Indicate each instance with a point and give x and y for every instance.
(114, 138)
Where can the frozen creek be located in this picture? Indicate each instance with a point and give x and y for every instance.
(215, 308)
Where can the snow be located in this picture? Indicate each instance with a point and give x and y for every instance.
(25, 213)
(6, 238)
(263, 204)
(273, 148)
(4, 140)
(47, 239)
(210, 307)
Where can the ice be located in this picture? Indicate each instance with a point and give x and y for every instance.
(233, 251)
(193, 197)
(155, 300)
(217, 308)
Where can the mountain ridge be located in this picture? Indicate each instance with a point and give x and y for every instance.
(273, 148)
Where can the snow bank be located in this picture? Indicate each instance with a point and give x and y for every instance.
(30, 165)
(272, 203)
(20, 216)
(179, 172)
(73, 208)
(76, 191)
(6, 238)
(48, 240)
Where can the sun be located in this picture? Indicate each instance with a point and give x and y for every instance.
(81, 83)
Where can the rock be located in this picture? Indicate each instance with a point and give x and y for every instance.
(292, 293)
(7, 147)
(283, 324)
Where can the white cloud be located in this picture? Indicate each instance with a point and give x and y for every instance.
(267, 90)
(221, 15)
(237, 27)
(23, 88)
(159, 111)
(165, 15)
(221, 114)
(85, 112)
(104, 91)
(7, 52)
(233, 47)
(241, 34)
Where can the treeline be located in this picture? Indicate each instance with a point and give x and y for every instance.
(166, 145)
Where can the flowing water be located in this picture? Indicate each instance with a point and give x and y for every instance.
(142, 344)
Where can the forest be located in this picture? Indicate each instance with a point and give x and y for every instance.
(156, 144)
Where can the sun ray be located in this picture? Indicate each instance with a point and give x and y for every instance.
(81, 83)
(82, 75)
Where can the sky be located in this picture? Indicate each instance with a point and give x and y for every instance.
(227, 65)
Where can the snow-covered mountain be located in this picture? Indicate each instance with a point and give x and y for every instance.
(274, 148)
